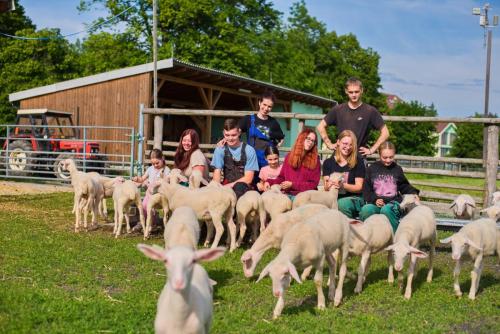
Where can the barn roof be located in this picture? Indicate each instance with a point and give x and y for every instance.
(181, 69)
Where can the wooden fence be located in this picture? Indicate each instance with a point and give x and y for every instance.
(439, 200)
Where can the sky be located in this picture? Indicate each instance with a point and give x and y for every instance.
(430, 51)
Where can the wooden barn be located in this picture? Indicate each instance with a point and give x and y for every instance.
(113, 99)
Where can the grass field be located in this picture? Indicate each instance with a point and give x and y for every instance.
(55, 281)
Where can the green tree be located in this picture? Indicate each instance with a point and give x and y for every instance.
(413, 138)
(469, 141)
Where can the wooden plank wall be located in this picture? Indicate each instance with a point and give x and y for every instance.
(110, 103)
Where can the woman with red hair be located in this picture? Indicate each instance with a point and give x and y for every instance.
(301, 169)
(188, 156)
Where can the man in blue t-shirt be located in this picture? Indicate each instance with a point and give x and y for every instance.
(235, 163)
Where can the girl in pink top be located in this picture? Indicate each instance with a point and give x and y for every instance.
(272, 170)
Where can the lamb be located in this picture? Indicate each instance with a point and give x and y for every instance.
(275, 202)
(88, 194)
(328, 198)
(248, 208)
(196, 179)
(272, 236)
(108, 185)
(157, 201)
(463, 207)
(492, 212)
(185, 303)
(373, 236)
(309, 243)
(212, 202)
(182, 229)
(124, 195)
(477, 239)
(495, 198)
(416, 228)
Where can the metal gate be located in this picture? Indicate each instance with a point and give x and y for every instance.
(37, 151)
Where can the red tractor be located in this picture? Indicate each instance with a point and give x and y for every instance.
(42, 139)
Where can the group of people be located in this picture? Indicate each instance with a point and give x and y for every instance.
(254, 163)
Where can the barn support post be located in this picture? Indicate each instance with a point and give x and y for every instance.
(491, 163)
(301, 126)
(141, 139)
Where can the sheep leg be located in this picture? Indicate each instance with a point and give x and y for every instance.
(318, 282)
(94, 206)
(219, 230)
(411, 273)
(85, 208)
(431, 257)
(104, 208)
(210, 233)
(243, 228)
(280, 304)
(76, 208)
(390, 263)
(363, 264)
(141, 217)
(474, 275)
(367, 268)
(115, 209)
(232, 233)
(343, 270)
(306, 273)
(331, 275)
(456, 284)
(127, 220)
(262, 218)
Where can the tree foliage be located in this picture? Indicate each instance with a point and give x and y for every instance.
(411, 137)
(469, 141)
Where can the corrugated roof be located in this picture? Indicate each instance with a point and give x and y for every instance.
(169, 63)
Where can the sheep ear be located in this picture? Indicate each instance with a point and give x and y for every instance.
(389, 248)
(293, 272)
(417, 200)
(204, 182)
(264, 272)
(453, 204)
(209, 254)
(472, 244)
(445, 241)
(471, 205)
(417, 252)
(153, 252)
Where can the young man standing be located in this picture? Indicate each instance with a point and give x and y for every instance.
(356, 116)
(235, 163)
(262, 130)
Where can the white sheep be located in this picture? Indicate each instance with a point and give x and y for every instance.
(196, 179)
(88, 193)
(185, 303)
(463, 207)
(492, 212)
(108, 185)
(156, 201)
(368, 238)
(476, 239)
(272, 236)
(495, 198)
(182, 229)
(328, 198)
(275, 202)
(416, 228)
(124, 195)
(210, 203)
(308, 244)
(250, 208)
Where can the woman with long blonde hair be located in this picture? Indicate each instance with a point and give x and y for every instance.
(301, 169)
(347, 162)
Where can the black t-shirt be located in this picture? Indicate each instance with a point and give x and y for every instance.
(360, 120)
(350, 174)
(269, 127)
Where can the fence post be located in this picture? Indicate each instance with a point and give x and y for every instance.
(140, 141)
(491, 162)
(301, 126)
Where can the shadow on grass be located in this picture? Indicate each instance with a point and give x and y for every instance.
(485, 282)
(221, 277)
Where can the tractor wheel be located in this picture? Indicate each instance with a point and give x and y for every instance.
(59, 171)
(21, 158)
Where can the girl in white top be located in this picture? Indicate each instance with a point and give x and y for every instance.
(188, 156)
(151, 176)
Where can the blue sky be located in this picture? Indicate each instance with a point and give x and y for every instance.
(431, 51)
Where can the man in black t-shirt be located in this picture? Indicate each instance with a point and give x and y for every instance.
(356, 116)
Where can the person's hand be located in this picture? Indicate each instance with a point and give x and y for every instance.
(331, 146)
(261, 186)
(286, 185)
(267, 186)
(221, 142)
(379, 202)
(365, 150)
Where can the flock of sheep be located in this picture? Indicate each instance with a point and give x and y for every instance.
(308, 232)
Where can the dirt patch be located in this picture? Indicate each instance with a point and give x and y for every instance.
(23, 188)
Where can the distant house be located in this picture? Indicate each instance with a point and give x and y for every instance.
(391, 100)
(447, 133)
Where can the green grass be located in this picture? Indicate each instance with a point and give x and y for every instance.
(55, 281)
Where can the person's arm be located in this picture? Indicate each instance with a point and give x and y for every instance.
(324, 135)
(384, 135)
(404, 186)
(355, 188)
(309, 181)
(368, 193)
(217, 175)
(281, 176)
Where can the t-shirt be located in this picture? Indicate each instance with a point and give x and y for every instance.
(251, 164)
(267, 173)
(197, 159)
(154, 175)
(350, 174)
(360, 120)
(269, 127)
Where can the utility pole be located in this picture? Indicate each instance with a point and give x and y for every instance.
(158, 121)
